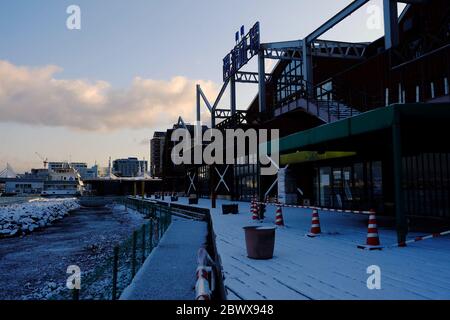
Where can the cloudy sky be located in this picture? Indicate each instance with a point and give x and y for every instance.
(85, 95)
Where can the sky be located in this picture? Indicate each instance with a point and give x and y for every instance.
(101, 91)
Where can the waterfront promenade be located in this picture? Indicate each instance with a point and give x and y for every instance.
(169, 272)
(329, 266)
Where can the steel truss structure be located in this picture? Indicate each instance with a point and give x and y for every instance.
(299, 50)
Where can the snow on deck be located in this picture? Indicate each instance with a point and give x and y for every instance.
(169, 272)
(329, 266)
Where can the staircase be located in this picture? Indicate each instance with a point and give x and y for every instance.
(321, 106)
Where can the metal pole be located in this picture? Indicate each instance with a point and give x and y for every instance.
(151, 236)
(402, 225)
(114, 275)
(133, 255)
(307, 67)
(390, 23)
(233, 95)
(75, 294)
(262, 81)
(143, 244)
(198, 103)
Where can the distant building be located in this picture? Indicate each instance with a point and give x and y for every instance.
(157, 153)
(130, 167)
(24, 186)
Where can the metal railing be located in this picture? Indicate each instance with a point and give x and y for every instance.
(110, 278)
(318, 101)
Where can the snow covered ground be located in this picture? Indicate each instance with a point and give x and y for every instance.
(329, 266)
(169, 272)
(34, 267)
(22, 218)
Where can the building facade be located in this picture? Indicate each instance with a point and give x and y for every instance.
(362, 125)
(130, 167)
(157, 153)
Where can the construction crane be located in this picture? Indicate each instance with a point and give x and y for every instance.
(44, 160)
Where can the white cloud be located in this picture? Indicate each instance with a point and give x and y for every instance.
(34, 96)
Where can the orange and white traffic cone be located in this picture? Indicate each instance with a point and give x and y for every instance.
(279, 221)
(373, 240)
(315, 225)
(255, 215)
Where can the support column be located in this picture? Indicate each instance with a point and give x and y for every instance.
(401, 221)
(262, 81)
(233, 95)
(212, 175)
(307, 69)
(198, 103)
(391, 37)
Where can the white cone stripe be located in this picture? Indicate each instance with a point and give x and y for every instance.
(372, 235)
(315, 225)
(373, 226)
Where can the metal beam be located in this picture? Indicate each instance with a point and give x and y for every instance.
(201, 95)
(208, 105)
(337, 49)
(391, 37)
(198, 104)
(219, 97)
(282, 44)
(262, 82)
(307, 62)
(222, 113)
(250, 77)
(253, 77)
(233, 94)
(344, 13)
(292, 53)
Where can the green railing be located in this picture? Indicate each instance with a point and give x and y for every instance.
(108, 280)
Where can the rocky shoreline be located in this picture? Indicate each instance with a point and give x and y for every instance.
(24, 218)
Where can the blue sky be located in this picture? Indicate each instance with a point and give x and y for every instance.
(127, 47)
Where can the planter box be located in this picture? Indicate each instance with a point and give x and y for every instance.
(230, 209)
(193, 200)
(260, 242)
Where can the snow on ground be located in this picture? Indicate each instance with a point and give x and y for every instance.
(22, 218)
(34, 267)
(329, 266)
(169, 272)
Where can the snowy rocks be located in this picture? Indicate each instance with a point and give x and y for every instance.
(27, 217)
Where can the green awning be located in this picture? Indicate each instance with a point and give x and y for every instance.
(371, 121)
(311, 156)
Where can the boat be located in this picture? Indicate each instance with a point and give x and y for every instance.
(93, 201)
(63, 182)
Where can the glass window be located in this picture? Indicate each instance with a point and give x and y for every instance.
(325, 187)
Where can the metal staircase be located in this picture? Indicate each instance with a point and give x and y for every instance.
(318, 102)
